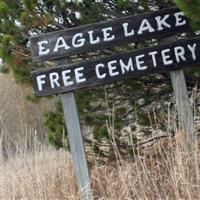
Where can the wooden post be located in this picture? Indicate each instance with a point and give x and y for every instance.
(185, 114)
(76, 145)
(72, 123)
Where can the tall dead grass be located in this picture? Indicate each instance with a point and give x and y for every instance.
(31, 170)
(165, 170)
(41, 175)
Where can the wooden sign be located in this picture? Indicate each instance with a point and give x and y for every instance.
(67, 78)
(168, 57)
(97, 36)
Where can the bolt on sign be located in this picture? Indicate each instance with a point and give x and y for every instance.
(65, 78)
(97, 36)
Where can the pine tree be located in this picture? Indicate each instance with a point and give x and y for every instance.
(192, 10)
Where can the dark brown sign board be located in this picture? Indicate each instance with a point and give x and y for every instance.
(168, 57)
(97, 36)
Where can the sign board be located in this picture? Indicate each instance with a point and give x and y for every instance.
(168, 57)
(97, 36)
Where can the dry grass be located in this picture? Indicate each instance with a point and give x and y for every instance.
(162, 171)
(30, 170)
(41, 175)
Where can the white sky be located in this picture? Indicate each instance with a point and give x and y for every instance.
(1, 62)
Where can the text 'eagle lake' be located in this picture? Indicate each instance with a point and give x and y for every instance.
(172, 56)
(92, 37)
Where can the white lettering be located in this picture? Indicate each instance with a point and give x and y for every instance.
(145, 26)
(107, 35)
(78, 42)
(179, 19)
(66, 78)
(100, 76)
(40, 82)
(140, 62)
(60, 43)
(126, 33)
(126, 67)
(42, 49)
(79, 75)
(92, 40)
(111, 68)
(166, 58)
(54, 77)
(161, 22)
(192, 50)
(153, 56)
(179, 54)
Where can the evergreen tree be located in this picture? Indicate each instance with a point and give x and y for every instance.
(192, 10)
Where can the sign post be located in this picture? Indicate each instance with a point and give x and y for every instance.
(76, 145)
(75, 137)
(185, 114)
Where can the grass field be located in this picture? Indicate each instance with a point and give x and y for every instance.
(165, 170)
